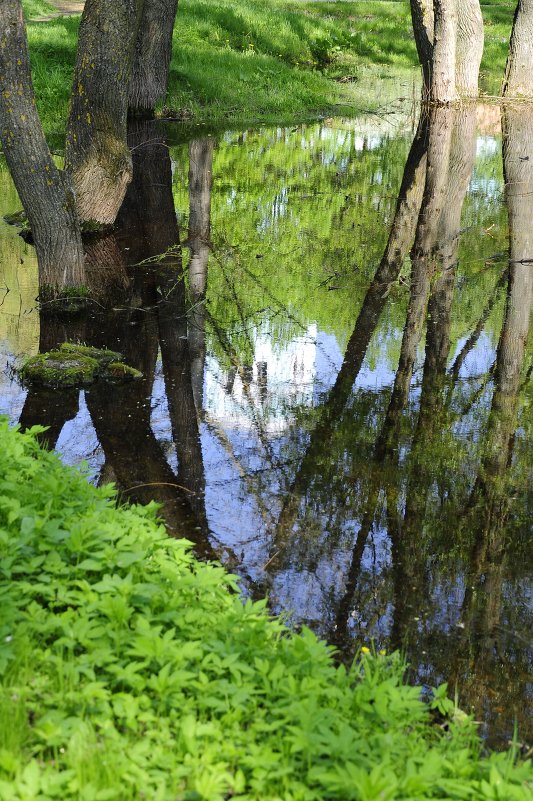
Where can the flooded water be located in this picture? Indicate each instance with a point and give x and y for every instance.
(336, 397)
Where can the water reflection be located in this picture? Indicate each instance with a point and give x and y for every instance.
(354, 440)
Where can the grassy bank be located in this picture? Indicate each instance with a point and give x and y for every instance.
(130, 670)
(274, 61)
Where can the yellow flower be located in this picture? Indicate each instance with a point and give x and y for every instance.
(365, 650)
(382, 652)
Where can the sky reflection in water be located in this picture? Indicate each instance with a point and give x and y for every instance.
(365, 449)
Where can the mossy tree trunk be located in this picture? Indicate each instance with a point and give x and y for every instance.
(518, 79)
(153, 50)
(97, 153)
(45, 191)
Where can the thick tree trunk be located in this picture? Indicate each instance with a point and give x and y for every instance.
(97, 153)
(423, 24)
(470, 40)
(153, 51)
(443, 89)
(518, 79)
(45, 191)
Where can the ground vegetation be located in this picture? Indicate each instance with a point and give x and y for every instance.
(129, 668)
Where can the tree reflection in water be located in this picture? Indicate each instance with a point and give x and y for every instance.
(399, 514)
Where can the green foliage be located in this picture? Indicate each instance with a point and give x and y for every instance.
(130, 670)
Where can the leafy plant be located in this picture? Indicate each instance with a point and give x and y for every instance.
(130, 670)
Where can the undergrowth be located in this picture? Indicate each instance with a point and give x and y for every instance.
(130, 670)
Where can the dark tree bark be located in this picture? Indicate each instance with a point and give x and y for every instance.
(45, 191)
(423, 25)
(149, 215)
(470, 41)
(518, 78)
(97, 153)
(107, 277)
(153, 51)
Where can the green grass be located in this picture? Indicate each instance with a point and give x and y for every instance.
(130, 670)
(33, 9)
(276, 61)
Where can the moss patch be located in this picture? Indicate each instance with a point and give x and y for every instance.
(75, 365)
(59, 369)
(118, 372)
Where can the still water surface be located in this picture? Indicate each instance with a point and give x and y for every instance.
(340, 415)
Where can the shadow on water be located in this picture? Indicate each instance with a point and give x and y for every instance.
(352, 440)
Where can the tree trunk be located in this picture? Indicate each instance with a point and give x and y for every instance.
(423, 24)
(518, 79)
(97, 153)
(443, 89)
(153, 51)
(470, 40)
(200, 185)
(518, 172)
(45, 191)
(400, 239)
(424, 258)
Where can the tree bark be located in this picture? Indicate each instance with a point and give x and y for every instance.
(153, 51)
(443, 89)
(423, 24)
(518, 78)
(45, 191)
(97, 153)
(470, 41)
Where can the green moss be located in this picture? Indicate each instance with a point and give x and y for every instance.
(118, 372)
(59, 369)
(103, 357)
(74, 365)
